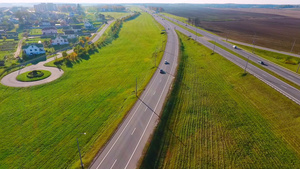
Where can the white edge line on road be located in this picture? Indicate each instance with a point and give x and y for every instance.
(149, 119)
(133, 131)
(126, 125)
(113, 164)
(146, 125)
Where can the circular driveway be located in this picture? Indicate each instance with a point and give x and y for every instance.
(11, 79)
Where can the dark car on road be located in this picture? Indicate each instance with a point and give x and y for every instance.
(261, 62)
(162, 71)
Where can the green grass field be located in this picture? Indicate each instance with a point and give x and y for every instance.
(115, 15)
(223, 119)
(39, 125)
(286, 61)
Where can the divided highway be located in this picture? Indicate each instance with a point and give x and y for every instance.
(284, 88)
(126, 146)
(285, 73)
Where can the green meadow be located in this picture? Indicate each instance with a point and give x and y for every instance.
(218, 117)
(39, 125)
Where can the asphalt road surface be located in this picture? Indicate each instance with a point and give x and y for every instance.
(125, 147)
(285, 73)
(284, 88)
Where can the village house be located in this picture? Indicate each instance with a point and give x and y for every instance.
(70, 34)
(49, 30)
(59, 40)
(34, 49)
(88, 25)
(45, 23)
(76, 28)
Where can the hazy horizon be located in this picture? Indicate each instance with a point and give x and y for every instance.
(266, 2)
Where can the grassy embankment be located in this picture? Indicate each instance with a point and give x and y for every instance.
(257, 65)
(39, 125)
(224, 119)
(286, 61)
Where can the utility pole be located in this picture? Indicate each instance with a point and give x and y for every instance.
(136, 87)
(214, 47)
(226, 36)
(293, 45)
(79, 150)
(245, 71)
(196, 35)
(253, 43)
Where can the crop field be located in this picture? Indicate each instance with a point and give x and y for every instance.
(216, 117)
(39, 125)
(272, 30)
(286, 61)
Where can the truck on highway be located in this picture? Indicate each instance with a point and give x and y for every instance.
(234, 47)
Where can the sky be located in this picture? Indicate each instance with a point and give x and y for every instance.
(160, 1)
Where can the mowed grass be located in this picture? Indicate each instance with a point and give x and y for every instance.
(217, 118)
(23, 77)
(39, 125)
(286, 61)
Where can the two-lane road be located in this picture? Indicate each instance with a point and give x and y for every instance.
(126, 146)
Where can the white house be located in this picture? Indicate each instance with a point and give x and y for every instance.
(34, 49)
(70, 34)
(49, 30)
(59, 40)
(88, 25)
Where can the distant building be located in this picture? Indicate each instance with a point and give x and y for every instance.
(59, 40)
(70, 34)
(71, 14)
(44, 23)
(34, 49)
(45, 7)
(49, 30)
(76, 28)
(88, 25)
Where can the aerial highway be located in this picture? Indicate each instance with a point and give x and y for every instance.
(125, 148)
(285, 73)
(284, 88)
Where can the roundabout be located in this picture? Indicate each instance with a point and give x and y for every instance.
(38, 74)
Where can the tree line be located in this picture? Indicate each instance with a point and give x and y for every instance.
(83, 49)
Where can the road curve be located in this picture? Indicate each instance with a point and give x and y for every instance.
(126, 146)
(11, 79)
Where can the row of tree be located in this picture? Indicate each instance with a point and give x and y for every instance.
(157, 9)
(83, 48)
